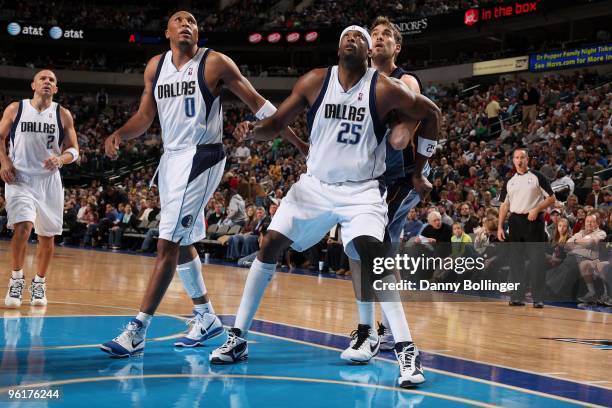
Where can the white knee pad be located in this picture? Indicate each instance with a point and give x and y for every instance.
(191, 276)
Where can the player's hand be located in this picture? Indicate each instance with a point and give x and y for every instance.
(53, 162)
(7, 172)
(421, 185)
(243, 130)
(533, 215)
(500, 234)
(111, 145)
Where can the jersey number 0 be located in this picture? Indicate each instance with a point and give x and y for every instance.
(190, 107)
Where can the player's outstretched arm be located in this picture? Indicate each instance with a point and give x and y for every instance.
(7, 171)
(242, 88)
(303, 92)
(142, 119)
(70, 147)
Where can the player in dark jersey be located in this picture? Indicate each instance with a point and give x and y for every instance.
(405, 178)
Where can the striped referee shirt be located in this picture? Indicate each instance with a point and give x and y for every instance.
(523, 192)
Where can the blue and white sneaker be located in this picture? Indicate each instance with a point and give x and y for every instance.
(409, 359)
(129, 343)
(205, 327)
(365, 345)
(234, 349)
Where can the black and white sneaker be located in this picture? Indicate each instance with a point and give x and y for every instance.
(234, 349)
(409, 359)
(364, 345)
(39, 293)
(15, 293)
(387, 342)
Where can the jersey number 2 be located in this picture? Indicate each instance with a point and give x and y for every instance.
(355, 131)
(190, 107)
(50, 140)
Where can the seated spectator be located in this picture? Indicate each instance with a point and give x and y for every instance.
(248, 260)
(251, 220)
(150, 236)
(459, 240)
(607, 201)
(90, 219)
(241, 245)
(236, 210)
(551, 229)
(217, 216)
(560, 236)
(128, 220)
(579, 224)
(435, 235)
(486, 234)
(595, 197)
(585, 247)
(446, 219)
(413, 225)
(466, 218)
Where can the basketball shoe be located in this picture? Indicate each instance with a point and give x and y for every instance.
(205, 327)
(409, 359)
(365, 344)
(15, 293)
(39, 293)
(129, 343)
(387, 342)
(234, 349)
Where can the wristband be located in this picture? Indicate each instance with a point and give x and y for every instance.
(426, 147)
(74, 152)
(265, 111)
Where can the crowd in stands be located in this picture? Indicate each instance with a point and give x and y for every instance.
(564, 121)
(239, 15)
(133, 14)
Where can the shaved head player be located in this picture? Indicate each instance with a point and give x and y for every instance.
(42, 140)
(183, 86)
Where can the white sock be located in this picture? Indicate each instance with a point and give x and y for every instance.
(191, 276)
(145, 319)
(397, 321)
(17, 274)
(384, 320)
(590, 287)
(259, 276)
(204, 308)
(366, 313)
(39, 279)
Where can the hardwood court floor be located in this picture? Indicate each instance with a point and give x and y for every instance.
(86, 282)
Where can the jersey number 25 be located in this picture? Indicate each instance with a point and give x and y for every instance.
(353, 137)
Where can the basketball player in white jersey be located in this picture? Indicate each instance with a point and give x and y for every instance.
(42, 140)
(184, 85)
(348, 107)
(405, 178)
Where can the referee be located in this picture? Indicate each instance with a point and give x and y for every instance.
(526, 195)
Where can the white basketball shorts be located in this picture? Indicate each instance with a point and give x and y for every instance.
(39, 199)
(312, 207)
(187, 179)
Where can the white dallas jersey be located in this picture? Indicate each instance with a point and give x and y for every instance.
(34, 137)
(188, 113)
(346, 135)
